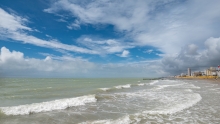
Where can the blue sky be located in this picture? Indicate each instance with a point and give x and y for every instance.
(107, 38)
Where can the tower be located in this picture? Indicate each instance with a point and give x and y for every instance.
(189, 72)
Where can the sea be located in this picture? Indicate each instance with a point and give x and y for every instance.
(108, 101)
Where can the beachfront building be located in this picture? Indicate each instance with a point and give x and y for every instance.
(189, 72)
(211, 71)
(197, 73)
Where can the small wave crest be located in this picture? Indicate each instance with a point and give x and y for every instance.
(124, 120)
(164, 86)
(154, 82)
(48, 106)
(123, 86)
(104, 89)
(141, 84)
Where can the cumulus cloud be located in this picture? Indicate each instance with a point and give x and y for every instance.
(13, 27)
(14, 63)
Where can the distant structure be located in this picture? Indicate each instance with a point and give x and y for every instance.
(197, 74)
(211, 71)
(189, 72)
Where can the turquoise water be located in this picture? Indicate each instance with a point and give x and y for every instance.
(107, 101)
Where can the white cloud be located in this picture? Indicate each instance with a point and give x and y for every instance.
(16, 64)
(149, 51)
(108, 46)
(13, 27)
(6, 55)
(125, 53)
(75, 25)
(12, 22)
(165, 24)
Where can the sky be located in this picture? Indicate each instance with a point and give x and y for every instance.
(108, 38)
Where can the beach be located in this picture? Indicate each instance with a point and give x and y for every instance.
(108, 101)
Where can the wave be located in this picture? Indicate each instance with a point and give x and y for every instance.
(191, 86)
(123, 86)
(48, 106)
(154, 82)
(104, 89)
(164, 86)
(123, 120)
(137, 117)
(195, 98)
(141, 84)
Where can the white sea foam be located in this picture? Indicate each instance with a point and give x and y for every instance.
(164, 86)
(123, 120)
(154, 82)
(104, 89)
(173, 108)
(191, 86)
(123, 86)
(188, 90)
(48, 106)
(142, 84)
(137, 117)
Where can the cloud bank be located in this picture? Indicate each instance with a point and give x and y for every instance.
(15, 64)
(191, 57)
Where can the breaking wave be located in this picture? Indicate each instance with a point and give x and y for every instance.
(123, 86)
(171, 109)
(104, 89)
(48, 106)
(154, 82)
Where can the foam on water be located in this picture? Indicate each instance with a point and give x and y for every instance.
(164, 86)
(122, 120)
(123, 86)
(188, 90)
(191, 86)
(154, 82)
(170, 107)
(141, 84)
(176, 107)
(48, 106)
(104, 89)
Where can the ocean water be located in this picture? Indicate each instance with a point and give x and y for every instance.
(108, 101)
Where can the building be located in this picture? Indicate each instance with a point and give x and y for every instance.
(189, 72)
(211, 71)
(197, 74)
